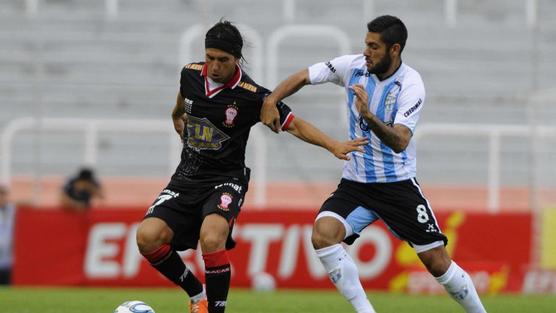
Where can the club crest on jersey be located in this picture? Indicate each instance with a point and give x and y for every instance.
(225, 200)
(390, 101)
(203, 135)
(230, 116)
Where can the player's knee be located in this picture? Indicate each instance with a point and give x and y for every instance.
(212, 242)
(151, 238)
(326, 233)
(320, 240)
(147, 240)
(436, 268)
(214, 233)
(436, 261)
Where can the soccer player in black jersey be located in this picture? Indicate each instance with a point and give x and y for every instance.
(216, 107)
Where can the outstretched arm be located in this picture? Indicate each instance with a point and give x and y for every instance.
(396, 137)
(178, 115)
(269, 113)
(309, 133)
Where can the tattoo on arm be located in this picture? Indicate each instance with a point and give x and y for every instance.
(390, 136)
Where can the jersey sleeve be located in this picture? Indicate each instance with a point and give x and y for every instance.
(187, 74)
(182, 80)
(333, 71)
(286, 115)
(411, 100)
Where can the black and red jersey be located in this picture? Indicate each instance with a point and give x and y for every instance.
(218, 125)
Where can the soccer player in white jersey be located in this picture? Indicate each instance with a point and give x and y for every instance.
(384, 97)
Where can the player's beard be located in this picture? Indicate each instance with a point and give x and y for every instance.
(383, 66)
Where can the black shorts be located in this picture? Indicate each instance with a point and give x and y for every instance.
(401, 206)
(184, 209)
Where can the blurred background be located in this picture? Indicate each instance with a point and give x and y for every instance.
(93, 83)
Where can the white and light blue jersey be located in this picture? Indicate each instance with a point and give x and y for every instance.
(395, 100)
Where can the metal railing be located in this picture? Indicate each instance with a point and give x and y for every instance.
(339, 37)
(90, 128)
(112, 10)
(494, 133)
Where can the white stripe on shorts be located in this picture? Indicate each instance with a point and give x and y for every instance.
(349, 230)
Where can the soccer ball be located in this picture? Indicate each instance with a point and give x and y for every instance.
(263, 282)
(134, 307)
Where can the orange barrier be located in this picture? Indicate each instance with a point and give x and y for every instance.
(140, 192)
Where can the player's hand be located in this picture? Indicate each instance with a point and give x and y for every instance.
(179, 124)
(362, 99)
(341, 149)
(269, 114)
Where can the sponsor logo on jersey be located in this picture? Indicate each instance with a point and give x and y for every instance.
(331, 67)
(248, 86)
(194, 66)
(225, 200)
(188, 105)
(235, 187)
(360, 72)
(413, 108)
(203, 135)
(230, 115)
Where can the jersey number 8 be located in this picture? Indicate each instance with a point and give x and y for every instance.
(422, 215)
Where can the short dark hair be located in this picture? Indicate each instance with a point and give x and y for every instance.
(392, 30)
(226, 37)
(86, 173)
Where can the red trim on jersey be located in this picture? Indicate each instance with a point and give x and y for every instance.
(232, 83)
(158, 254)
(288, 121)
(216, 259)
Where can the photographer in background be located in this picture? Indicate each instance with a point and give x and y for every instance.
(7, 221)
(79, 191)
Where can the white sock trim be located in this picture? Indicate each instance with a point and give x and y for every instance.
(326, 251)
(329, 256)
(446, 277)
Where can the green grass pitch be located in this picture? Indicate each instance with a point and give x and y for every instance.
(165, 300)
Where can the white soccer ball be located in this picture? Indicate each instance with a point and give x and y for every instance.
(263, 282)
(134, 307)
